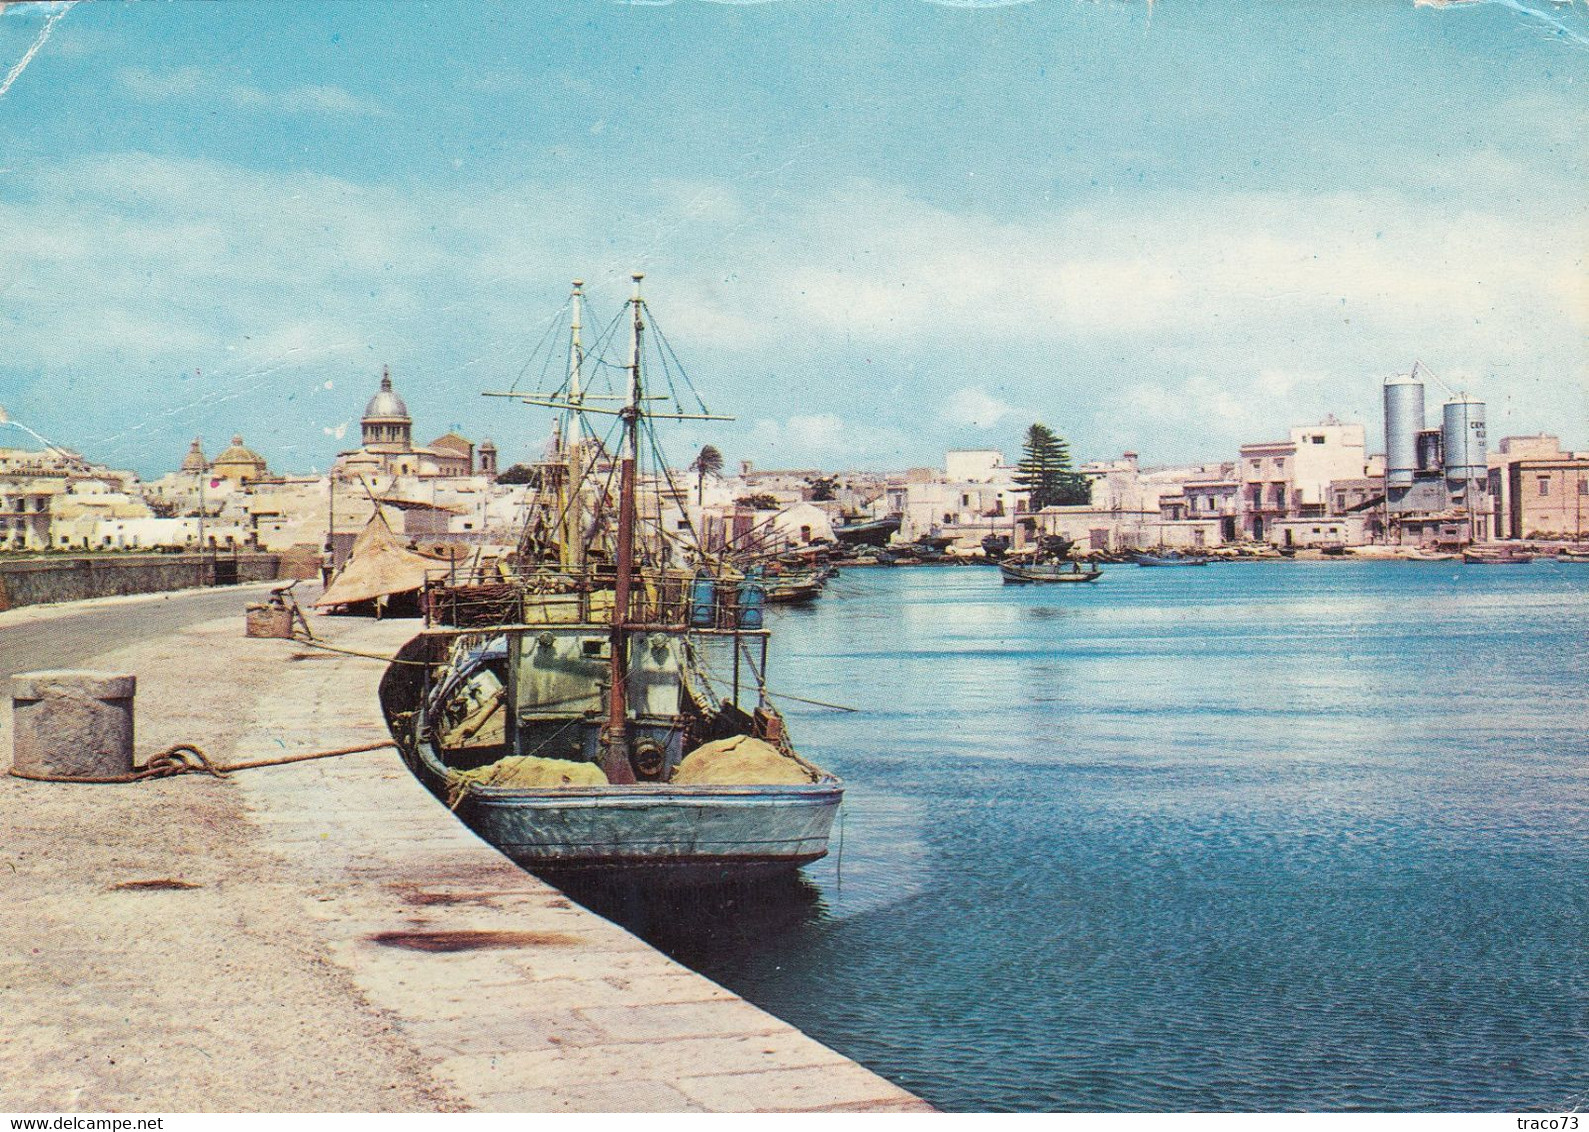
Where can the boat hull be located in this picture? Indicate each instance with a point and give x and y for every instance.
(875, 533)
(700, 836)
(678, 834)
(793, 593)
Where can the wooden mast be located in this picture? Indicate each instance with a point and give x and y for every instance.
(573, 531)
(615, 755)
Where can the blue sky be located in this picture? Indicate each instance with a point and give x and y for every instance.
(872, 231)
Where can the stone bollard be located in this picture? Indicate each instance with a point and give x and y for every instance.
(72, 724)
(272, 620)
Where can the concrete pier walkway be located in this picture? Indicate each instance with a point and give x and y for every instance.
(324, 936)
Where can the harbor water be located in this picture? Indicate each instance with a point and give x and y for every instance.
(1255, 836)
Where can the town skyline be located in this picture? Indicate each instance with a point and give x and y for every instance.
(872, 235)
(18, 435)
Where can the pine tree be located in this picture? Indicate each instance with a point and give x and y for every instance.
(1045, 470)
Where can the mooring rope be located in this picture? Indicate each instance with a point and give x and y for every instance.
(186, 758)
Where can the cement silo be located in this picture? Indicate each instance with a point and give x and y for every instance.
(1462, 436)
(1403, 421)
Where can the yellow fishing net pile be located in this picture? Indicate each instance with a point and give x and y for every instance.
(524, 772)
(739, 761)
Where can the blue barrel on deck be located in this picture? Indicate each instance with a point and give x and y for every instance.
(752, 596)
(703, 601)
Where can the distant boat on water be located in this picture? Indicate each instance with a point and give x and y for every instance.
(1049, 563)
(1170, 558)
(1026, 573)
(1496, 556)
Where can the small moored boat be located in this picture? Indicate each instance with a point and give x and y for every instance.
(1025, 573)
(1496, 556)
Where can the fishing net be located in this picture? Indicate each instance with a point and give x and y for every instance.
(525, 772)
(739, 761)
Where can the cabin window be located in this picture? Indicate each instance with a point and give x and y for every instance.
(1583, 487)
(1544, 485)
(591, 646)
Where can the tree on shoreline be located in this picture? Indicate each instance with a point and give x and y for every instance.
(1045, 470)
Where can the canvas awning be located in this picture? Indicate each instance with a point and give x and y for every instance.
(379, 565)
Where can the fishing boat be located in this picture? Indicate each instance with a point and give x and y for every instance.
(1049, 563)
(867, 532)
(1025, 573)
(995, 546)
(618, 721)
(794, 589)
(1496, 556)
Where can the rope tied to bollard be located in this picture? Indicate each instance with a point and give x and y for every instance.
(186, 758)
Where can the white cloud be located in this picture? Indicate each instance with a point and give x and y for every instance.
(972, 406)
(187, 83)
(848, 301)
(1175, 264)
(826, 437)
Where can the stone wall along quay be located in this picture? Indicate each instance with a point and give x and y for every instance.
(45, 580)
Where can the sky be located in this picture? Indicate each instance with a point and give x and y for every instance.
(873, 230)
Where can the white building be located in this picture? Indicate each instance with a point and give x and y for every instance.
(973, 497)
(974, 465)
(1290, 479)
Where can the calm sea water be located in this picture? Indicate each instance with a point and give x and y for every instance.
(1253, 836)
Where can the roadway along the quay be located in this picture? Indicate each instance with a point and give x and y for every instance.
(65, 636)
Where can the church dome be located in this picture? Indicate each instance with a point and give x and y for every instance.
(237, 454)
(240, 464)
(386, 405)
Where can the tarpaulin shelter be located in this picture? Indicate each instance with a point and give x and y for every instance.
(379, 566)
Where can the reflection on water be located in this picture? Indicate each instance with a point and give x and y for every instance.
(1259, 836)
(707, 926)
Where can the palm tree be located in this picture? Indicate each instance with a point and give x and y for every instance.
(707, 462)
